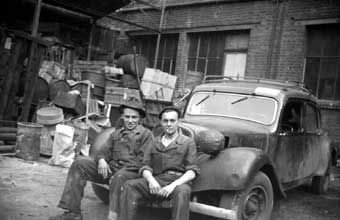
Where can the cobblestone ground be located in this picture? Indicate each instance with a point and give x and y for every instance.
(31, 190)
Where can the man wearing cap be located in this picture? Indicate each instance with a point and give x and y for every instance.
(125, 152)
(169, 166)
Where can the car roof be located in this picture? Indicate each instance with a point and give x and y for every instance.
(287, 89)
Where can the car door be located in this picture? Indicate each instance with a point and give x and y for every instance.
(290, 150)
(311, 127)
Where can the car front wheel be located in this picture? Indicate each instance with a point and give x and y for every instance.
(255, 202)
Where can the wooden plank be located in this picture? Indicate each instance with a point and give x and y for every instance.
(15, 52)
(8, 136)
(7, 147)
(10, 113)
(8, 130)
(26, 36)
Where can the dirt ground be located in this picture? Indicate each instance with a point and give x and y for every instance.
(31, 191)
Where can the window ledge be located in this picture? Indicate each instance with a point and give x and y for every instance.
(327, 104)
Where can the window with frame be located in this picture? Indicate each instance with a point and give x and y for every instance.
(166, 61)
(322, 67)
(217, 53)
(311, 119)
(292, 117)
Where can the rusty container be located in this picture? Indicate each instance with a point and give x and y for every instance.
(28, 140)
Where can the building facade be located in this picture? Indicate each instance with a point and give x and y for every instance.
(295, 40)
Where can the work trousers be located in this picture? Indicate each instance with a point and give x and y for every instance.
(82, 170)
(136, 192)
(116, 187)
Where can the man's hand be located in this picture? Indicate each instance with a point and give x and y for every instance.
(154, 186)
(167, 190)
(103, 168)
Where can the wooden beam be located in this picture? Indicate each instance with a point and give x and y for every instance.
(61, 10)
(36, 17)
(33, 66)
(159, 34)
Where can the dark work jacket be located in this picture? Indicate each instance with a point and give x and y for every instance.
(179, 156)
(127, 148)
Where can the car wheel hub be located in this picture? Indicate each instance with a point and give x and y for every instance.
(254, 204)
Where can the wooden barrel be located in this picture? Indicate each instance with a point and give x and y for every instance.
(41, 90)
(57, 86)
(127, 63)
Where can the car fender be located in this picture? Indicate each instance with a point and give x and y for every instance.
(233, 169)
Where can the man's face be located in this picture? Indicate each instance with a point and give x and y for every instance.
(169, 122)
(131, 118)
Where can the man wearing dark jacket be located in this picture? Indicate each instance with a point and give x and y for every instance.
(125, 150)
(169, 166)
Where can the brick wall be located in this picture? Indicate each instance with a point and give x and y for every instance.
(277, 35)
(276, 46)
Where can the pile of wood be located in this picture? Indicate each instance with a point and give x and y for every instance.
(8, 134)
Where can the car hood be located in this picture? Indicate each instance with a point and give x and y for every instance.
(237, 132)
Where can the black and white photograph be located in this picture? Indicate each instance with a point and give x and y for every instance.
(170, 110)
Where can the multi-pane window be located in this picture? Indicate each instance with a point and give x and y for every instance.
(166, 61)
(217, 53)
(322, 72)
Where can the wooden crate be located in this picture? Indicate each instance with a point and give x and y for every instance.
(118, 95)
(80, 66)
(158, 85)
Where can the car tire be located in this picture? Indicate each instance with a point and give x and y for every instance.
(255, 202)
(101, 193)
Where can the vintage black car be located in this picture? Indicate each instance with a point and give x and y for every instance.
(256, 139)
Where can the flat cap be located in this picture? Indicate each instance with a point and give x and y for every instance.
(169, 108)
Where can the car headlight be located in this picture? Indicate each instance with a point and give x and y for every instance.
(210, 141)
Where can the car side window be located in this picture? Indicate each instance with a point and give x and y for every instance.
(292, 117)
(311, 119)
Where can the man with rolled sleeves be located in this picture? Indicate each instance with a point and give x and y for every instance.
(125, 152)
(168, 168)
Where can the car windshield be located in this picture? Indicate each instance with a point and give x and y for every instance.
(249, 107)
